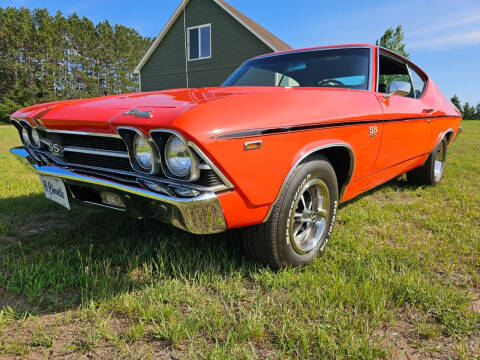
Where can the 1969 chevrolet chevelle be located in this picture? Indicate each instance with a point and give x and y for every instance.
(275, 149)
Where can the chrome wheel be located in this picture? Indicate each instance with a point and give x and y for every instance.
(439, 161)
(308, 220)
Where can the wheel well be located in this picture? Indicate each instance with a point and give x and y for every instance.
(449, 136)
(342, 161)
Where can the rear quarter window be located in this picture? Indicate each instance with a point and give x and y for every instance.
(419, 83)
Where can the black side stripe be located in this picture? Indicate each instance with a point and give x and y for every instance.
(273, 131)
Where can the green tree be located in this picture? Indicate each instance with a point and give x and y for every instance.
(46, 58)
(468, 111)
(393, 39)
(456, 101)
(477, 112)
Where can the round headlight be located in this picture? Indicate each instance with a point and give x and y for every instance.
(143, 152)
(25, 137)
(178, 157)
(36, 138)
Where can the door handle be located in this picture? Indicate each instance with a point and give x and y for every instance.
(428, 110)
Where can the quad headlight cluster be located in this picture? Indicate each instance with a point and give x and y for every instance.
(30, 136)
(164, 150)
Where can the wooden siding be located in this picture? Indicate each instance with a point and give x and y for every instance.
(166, 67)
(232, 44)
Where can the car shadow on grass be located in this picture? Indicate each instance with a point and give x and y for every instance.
(52, 260)
(73, 258)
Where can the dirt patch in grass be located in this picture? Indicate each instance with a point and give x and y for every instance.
(78, 335)
(18, 303)
(475, 305)
(416, 336)
(42, 224)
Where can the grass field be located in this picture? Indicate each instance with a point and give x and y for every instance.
(399, 279)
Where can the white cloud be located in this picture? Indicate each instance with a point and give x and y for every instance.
(448, 41)
(472, 17)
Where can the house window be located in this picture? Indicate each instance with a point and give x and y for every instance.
(199, 42)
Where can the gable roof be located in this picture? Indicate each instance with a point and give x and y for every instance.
(263, 34)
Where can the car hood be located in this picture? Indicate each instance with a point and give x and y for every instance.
(204, 113)
(104, 114)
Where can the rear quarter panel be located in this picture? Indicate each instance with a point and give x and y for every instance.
(449, 118)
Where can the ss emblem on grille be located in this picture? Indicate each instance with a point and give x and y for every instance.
(373, 131)
(55, 148)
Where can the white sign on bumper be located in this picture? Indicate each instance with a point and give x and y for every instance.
(55, 190)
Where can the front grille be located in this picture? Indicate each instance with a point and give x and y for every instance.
(86, 141)
(106, 154)
(99, 161)
(209, 178)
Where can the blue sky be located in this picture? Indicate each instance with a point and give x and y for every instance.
(442, 36)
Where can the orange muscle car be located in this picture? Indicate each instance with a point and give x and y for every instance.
(275, 149)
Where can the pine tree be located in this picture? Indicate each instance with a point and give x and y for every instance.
(46, 58)
(468, 111)
(456, 101)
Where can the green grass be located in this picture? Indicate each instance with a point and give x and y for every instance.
(400, 276)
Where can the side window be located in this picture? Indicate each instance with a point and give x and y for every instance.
(285, 81)
(199, 42)
(392, 70)
(419, 83)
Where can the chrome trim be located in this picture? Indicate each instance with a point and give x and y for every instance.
(304, 156)
(408, 63)
(208, 166)
(194, 173)
(217, 171)
(201, 154)
(135, 175)
(93, 204)
(84, 133)
(140, 114)
(204, 167)
(439, 139)
(253, 145)
(156, 157)
(111, 153)
(378, 69)
(370, 72)
(26, 126)
(202, 214)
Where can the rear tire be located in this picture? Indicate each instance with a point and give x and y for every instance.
(431, 172)
(301, 221)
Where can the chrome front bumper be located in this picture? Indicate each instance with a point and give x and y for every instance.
(198, 215)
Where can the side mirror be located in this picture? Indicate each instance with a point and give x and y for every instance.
(401, 88)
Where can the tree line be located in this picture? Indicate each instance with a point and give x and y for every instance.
(47, 58)
(469, 112)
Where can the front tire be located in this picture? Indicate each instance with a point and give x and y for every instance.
(431, 172)
(302, 219)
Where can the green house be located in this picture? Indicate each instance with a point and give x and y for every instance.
(202, 44)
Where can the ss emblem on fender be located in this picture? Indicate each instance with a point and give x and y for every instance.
(373, 131)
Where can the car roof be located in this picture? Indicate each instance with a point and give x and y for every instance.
(313, 48)
(342, 46)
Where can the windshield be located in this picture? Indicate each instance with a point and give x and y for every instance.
(339, 68)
